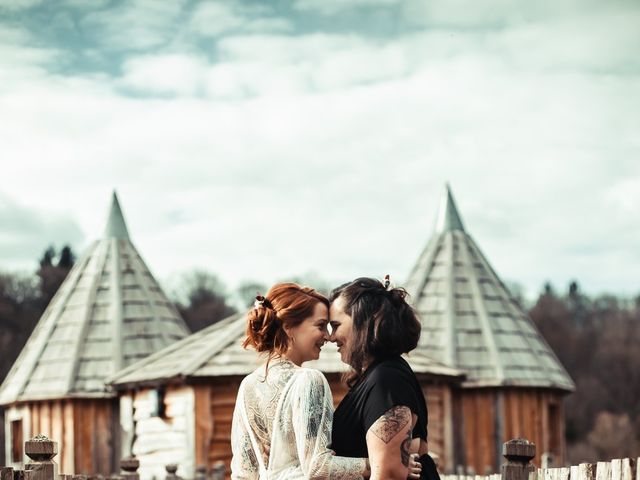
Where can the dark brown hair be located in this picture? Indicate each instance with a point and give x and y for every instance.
(286, 304)
(384, 324)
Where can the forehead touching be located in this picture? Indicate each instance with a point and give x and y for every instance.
(320, 312)
(337, 309)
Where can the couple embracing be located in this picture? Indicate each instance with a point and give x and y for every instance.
(284, 425)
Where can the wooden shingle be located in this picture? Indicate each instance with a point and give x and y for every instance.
(109, 313)
(470, 319)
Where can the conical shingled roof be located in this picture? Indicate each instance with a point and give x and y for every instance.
(108, 313)
(469, 318)
(216, 351)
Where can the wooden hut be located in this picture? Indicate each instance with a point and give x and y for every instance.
(108, 313)
(176, 406)
(515, 384)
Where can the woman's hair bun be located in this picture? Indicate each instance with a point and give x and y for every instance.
(284, 305)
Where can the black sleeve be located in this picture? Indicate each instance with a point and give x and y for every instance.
(389, 388)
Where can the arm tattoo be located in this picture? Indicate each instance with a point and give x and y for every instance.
(404, 449)
(391, 422)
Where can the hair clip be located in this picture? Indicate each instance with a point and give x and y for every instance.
(387, 282)
(259, 301)
(262, 301)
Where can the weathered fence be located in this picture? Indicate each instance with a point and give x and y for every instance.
(41, 452)
(518, 454)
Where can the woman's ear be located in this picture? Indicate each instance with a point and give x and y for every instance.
(287, 330)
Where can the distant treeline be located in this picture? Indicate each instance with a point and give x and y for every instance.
(597, 339)
(598, 342)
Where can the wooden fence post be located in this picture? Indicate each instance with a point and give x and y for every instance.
(6, 473)
(171, 469)
(129, 468)
(518, 453)
(41, 451)
(218, 471)
(201, 472)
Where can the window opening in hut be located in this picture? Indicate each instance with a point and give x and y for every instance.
(17, 452)
(156, 401)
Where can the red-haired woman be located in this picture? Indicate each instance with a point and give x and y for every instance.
(283, 415)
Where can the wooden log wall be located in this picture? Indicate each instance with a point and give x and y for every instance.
(158, 441)
(221, 397)
(489, 417)
(215, 401)
(86, 429)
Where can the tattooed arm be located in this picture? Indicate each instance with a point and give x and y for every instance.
(389, 443)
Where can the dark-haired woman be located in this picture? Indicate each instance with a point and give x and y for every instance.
(384, 414)
(282, 420)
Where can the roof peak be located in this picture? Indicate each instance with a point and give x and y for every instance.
(448, 216)
(116, 226)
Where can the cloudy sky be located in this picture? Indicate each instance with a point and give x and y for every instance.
(263, 139)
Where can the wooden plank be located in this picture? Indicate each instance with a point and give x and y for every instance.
(67, 447)
(548, 474)
(35, 419)
(45, 418)
(126, 424)
(516, 415)
(483, 444)
(447, 425)
(574, 472)
(616, 469)
(57, 422)
(471, 422)
(78, 444)
(84, 414)
(102, 437)
(537, 439)
(564, 473)
(562, 429)
(204, 423)
(603, 471)
(488, 432)
(628, 472)
(544, 446)
(587, 471)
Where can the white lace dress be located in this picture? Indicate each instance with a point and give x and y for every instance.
(282, 427)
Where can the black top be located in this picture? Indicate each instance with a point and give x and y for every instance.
(387, 383)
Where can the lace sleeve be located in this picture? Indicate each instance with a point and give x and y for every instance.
(244, 464)
(312, 413)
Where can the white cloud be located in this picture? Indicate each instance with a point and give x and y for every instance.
(164, 74)
(135, 24)
(213, 18)
(332, 7)
(13, 5)
(26, 232)
(327, 152)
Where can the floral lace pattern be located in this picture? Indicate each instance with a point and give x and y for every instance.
(284, 418)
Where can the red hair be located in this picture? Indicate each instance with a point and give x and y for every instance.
(285, 305)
